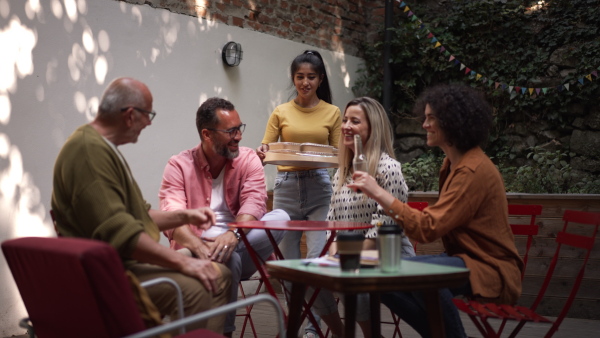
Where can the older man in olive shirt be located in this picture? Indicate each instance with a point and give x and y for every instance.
(95, 196)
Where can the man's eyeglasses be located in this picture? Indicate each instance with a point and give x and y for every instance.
(231, 131)
(151, 114)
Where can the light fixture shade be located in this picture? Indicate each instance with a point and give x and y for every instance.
(232, 54)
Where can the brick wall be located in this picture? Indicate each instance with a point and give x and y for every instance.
(337, 25)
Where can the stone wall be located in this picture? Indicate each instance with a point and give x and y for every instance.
(337, 25)
(581, 137)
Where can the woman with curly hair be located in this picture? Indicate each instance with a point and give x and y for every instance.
(471, 214)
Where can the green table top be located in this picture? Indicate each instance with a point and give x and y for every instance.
(412, 276)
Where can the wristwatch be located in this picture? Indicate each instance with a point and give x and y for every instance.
(236, 232)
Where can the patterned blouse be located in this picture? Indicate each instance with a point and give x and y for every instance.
(347, 205)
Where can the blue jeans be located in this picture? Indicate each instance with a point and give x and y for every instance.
(410, 306)
(304, 195)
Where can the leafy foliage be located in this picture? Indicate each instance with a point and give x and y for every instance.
(421, 174)
(509, 41)
(505, 41)
(546, 171)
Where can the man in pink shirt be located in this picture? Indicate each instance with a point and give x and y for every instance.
(229, 179)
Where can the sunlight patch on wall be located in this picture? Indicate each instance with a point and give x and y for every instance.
(19, 197)
(4, 8)
(17, 43)
(5, 107)
(32, 7)
(57, 9)
(103, 40)
(76, 61)
(71, 9)
(137, 14)
(100, 69)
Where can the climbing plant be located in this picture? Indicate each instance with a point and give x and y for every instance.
(552, 44)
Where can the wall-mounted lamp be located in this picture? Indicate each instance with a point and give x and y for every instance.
(232, 54)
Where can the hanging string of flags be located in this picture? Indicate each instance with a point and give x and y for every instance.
(468, 71)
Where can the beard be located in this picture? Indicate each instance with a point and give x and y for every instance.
(221, 149)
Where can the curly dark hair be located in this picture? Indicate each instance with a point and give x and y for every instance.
(464, 115)
(206, 116)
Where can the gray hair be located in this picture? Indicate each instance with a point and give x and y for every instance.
(120, 93)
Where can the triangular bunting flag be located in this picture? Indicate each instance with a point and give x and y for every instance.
(437, 44)
(406, 9)
(530, 91)
(580, 80)
(446, 53)
(595, 73)
(434, 39)
(451, 58)
(442, 49)
(544, 90)
(456, 62)
(537, 90)
(523, 90)
(518, 89)
(430, 35)
(414, 18)
(510, 88)
(504, 86)
(478, 76)
(589, 77)
(462, 66)
(402, 4)
(567, 85)
(410, 14)
(490, 83)
(497, 84)
(473, 73)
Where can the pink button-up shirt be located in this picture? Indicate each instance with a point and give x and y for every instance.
(187, 184)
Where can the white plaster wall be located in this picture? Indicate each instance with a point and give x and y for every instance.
(57, 56)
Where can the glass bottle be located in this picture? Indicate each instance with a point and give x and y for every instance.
(359, 162)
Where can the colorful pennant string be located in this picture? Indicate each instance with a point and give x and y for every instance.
(477, 76)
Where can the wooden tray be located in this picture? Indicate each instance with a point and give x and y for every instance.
(301, 160)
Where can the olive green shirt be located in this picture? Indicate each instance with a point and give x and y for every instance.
(94, 195)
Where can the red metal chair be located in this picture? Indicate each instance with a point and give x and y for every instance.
(529, 230)
(248, 309)
(77, 287)
(395, 319)
(480, 312)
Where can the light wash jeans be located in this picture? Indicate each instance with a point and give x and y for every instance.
(241, 264)
(304, 195)
(410, 306)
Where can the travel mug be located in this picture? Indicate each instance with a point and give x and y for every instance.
(389, 238)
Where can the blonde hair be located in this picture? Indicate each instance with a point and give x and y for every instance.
(381, 139)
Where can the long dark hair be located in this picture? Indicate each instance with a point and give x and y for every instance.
(316, 61)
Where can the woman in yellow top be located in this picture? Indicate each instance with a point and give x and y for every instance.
(304, 192)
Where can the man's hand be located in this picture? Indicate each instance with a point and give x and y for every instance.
(222, 247)
(204, 270)
(201, 249)
(202, 218)
(149, 251)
